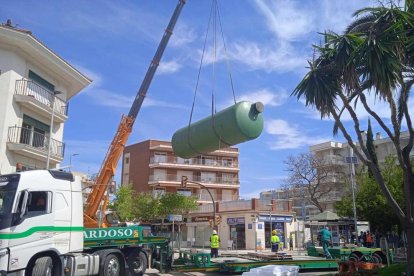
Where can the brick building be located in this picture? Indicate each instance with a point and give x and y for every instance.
(152, 166)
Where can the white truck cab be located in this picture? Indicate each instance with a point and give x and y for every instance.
(41, 214)
(42, 232)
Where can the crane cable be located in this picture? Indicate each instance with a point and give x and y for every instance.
(214, 13)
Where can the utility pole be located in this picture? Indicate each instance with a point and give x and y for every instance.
(351, 160)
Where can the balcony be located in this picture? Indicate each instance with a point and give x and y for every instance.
(35, 97)
(34, 145)
(193, 163)
(205, 197)
(174, 180)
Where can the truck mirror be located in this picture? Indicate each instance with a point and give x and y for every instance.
(112, 219)
(23, 210)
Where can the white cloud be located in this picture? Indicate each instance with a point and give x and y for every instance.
(336, 15)
(279, 57)
(252, 194)
(90, 158)
(267, 97)
(108, 98)
(379, 107)
(95, 77)
(290, 136)
(182, 35)
(168, 67)
(288, 20)
(291, 21)
(281, 127)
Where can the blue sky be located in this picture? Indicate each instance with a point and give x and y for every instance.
(268, 44)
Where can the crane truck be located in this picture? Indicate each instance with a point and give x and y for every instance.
(45, 229)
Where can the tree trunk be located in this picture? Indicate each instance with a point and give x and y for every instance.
(409, 229)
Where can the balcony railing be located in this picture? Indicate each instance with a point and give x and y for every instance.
(203, 180)
(31, 89)
(33, 139)
(193, 161)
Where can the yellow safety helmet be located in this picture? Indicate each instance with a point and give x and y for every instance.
(274, 232)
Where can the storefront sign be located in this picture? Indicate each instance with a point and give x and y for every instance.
(201, 219)
(234, 221)
(276, 218)
(175, 217)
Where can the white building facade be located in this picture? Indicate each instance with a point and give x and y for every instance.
(338, 154)
(35, 87)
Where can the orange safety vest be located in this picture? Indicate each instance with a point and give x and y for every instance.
(369, 237)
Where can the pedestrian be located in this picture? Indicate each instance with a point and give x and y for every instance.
(353, 238)
(364, 237)
(214, 244)
(274, 240)
(291, 242)
(326, 239)
(361, 239)
(378, 237)
(369, 239)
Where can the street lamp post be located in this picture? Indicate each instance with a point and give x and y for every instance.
(70, 160)
(51, 127)
(212, 199)
(351, 160)
(270, 220)
(185, 179)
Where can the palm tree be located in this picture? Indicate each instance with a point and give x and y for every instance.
(375, 54)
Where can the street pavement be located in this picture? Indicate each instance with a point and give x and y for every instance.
(296, 255)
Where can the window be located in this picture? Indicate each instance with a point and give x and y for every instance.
(158, 192)
(207, 160)
(160, 157)
(41, 81)
(182, 161)
(126, 160)
(227, 178)
(160, 175)
(126, 179)
(227, 162)
(33, 132)
(209, 177)
(38, 203)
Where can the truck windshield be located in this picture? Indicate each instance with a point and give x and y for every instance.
(6, 201)
(8, 187)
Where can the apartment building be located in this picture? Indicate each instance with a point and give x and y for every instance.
(35, 88)
(152, 166)
(341, 156)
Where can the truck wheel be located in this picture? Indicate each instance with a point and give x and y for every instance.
(354, 257)
(377, 258)
(137, 263)
(43, 267)
(111, 267)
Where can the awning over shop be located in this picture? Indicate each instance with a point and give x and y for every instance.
(325, 216)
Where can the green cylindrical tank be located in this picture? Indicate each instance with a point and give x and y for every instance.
(236, 124)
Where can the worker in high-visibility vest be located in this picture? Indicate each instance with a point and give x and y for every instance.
(274, 241)
(214, 244)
